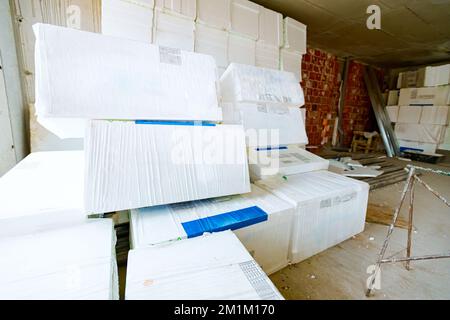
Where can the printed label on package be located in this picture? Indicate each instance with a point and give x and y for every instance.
(170, 55)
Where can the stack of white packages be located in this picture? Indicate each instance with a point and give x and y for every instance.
(270, 39)
(212, 267)
(76, 262)
(212, 41)
(423, 114)
(261, 221)
(43, 191)
(174, 24)
(244, 31)
(266, 102)
(102, 77)
(294, 46)
(140, 164)
(129, 19)
(330, 208)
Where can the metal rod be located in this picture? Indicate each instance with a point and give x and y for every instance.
(410, 223)
(437, 171)
(417, 258)
(390, 230)
(432, 191)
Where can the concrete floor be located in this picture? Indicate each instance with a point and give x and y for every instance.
(340, 272)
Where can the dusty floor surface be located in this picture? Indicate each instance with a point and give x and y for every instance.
(341, 272)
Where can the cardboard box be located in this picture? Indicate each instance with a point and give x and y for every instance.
(183, 8)
(428, 133)
(294, 35)
(101, 77)
(282, 161)
(432, 96)
(43, 191)
(270, 27)
(409, 114)
(213, 42)
(259, 219)
(266, 124)
(392, 112)
(140, 164)
(291, 61)
(243, 83)
(241, 50)
(245, 18)
(214, 13)
(131, 20)
(330, 208)
(213, 267)
(173, 31)
(76, 262)
(435, 115)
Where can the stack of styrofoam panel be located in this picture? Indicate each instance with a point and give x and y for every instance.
(282, 161)
(330, 208)
(270, 39)
(214, 42)
(392, 99)
(431, 76)
(215, 266)
(294, 46)
(44, 190)
(214, 13)
(75, 262)
(174, 24)
(427, 96)
(102, 77)
(244, 31)
(139, 164)
(260, 220)
(392, 112)
(130, 19)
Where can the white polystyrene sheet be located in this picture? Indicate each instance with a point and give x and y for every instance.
(418, 146)
(431, 96)
(128, 19)
(267, 241)
(241, 50)
(267, 56)
(294, 35)
(392, 98)
(445, 145)
(133, 165)
(213, 42)
(293, 160)
(184, 8)
(291, 61)
(76, 262)
(211, 267)
(436, 75)
(101, 77)
(244, 83)
(330, 209)
(214, 13)
(267, 124)
(429, 133)
(174, 31)
(245, 18)
(392, 112)
(435, 115)
(409, 114)
(44, 190)
(271, 27)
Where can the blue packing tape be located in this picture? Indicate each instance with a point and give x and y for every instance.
(271, 148)
(176, 123)
(226, 221)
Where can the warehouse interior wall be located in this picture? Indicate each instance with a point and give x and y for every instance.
(14, 142)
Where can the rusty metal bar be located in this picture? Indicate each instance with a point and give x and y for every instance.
(410, 222)
(417, 258)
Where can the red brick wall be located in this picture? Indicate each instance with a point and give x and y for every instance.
(320, 83)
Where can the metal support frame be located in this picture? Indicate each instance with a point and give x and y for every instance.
(409, 186)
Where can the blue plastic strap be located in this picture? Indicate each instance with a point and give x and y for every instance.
(176, 123)
(271, 148)
(403, 149)
(226, 221)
